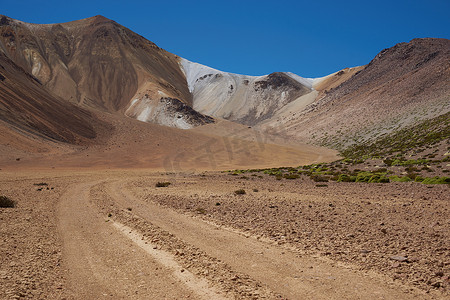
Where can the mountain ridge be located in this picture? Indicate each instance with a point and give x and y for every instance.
(94, 68)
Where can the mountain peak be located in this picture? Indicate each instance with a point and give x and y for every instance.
(98, 19)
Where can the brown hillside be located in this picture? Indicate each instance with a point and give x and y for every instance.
(95, 62)
(27, 107)
(403, 84)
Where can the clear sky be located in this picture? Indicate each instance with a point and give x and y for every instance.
(309, 38)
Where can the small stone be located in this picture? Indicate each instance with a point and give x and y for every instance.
(437, 284)
(399, 258)
(383, 230)
(439, 273)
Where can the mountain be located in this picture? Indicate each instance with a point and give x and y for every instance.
(100, 64)
(241, 98)
(29, 108)
(401, 86)
(91, 93)
(88, 82)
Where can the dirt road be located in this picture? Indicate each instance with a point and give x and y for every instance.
(117, 245)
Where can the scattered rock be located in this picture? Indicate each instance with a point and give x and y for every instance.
(399, 258)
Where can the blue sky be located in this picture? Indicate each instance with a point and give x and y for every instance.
(309, 38)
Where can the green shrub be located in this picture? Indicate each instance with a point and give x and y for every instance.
(437, 180)
(7, 202)
(363, 177)
(378, 179)
(346, 178)
(419, 179)
(395, 178)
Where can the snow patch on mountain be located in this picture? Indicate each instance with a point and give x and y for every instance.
(242, 98)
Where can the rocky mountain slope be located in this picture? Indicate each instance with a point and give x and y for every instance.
(401, 86)
(29, 108)
(100, 64)
(241, 98)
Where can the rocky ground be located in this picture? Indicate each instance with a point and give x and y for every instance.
(30, 247)
(273, 239)
(398, 229)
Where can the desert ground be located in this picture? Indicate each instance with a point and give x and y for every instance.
(114, 234)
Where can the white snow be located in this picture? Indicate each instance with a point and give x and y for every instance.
(308, 82)
(194, 71)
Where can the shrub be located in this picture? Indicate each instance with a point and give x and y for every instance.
(346, 178)
(162, 184)
(7, 202)
(388, 161)
(291, 176)
(363, 177)
(419, 179)
(321, 185)
(378, 179)
(319, 178)
(437, 180)
(240, 192)
(399, 179)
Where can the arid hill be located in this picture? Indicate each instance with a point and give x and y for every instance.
(100, 64)
(402, 85)
(28, 107)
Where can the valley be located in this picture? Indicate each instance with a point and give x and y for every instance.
(129, 172)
